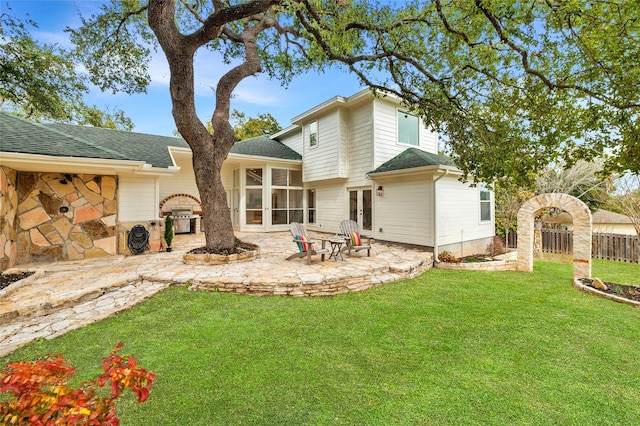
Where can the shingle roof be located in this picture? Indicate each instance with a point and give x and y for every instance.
(411, 158)
(263, 146)
(67, 140)
(23, 136)
(151, 149)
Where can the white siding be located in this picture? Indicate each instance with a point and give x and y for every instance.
(405, 212)
(138, 198)
(459, 213)
(323, 161)
(360, 145)
(293, 140)
(386, 133)
(331, 202)
(227, 176)
(182, 182)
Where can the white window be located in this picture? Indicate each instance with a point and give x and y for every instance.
(311, 206)
(313, 134)
(408, 128)
(485, 203)
(286, 196)
(253, 196)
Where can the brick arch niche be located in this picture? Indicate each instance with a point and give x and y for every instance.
(180, 201)
(581, 231)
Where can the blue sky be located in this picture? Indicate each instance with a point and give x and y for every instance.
(151, 112)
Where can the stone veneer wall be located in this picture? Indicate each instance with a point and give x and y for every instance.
(45, 232)
(581, 231)
(8, 212)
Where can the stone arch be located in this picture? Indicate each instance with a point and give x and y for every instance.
(581, 231)
(180, 201)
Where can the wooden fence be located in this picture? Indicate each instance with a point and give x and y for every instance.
(623, 248)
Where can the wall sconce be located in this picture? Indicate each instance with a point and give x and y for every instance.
(66, 178)
(380, 191)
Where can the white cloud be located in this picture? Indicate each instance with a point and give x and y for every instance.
(159, 69)
(58, 38)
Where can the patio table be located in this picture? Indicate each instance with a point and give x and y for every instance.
(336, 245)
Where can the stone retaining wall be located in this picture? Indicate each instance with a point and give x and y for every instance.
(23, 330)
(313, 284)
(497, 265)
(65, 217)
(8, 212)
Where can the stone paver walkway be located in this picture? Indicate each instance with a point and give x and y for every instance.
(63, 296)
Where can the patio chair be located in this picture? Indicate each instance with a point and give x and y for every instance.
(306, 244)
(354, 238)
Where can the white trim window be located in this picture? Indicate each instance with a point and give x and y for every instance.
(286, 196)
(408, 128)
(485, 203)
(313, 134)
(311, 206)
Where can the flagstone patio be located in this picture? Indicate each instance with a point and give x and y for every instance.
(63, 296)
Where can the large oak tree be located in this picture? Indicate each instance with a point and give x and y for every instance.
(510, 85)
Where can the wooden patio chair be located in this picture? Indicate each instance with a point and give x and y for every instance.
(354, 238)
(306, 244)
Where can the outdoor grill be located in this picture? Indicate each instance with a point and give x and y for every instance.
(184, 221)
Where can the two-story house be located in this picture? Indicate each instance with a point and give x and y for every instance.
(68, 192)
(368, 159)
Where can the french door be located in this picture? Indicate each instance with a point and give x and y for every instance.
(360, 208)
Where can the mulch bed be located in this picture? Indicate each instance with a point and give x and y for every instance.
(6, 279)
(476, 258)
(240, 247)
(627, 291)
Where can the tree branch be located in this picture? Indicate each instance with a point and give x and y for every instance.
(524, 56)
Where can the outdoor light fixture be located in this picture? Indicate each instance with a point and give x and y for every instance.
(66, 178)
(380, 191)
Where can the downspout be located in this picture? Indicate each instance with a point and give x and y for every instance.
(435, 215)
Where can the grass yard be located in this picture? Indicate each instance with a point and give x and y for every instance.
(447, 348)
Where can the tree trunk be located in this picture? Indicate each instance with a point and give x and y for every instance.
(209, 151)
(216, 220)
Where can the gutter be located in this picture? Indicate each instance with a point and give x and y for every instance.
(435, 215)
(43, 163)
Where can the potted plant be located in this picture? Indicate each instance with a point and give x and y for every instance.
(168, 231)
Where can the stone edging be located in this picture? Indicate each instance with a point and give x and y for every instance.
(496, 265)
(312, 284)
(586, 289)
(217, 259)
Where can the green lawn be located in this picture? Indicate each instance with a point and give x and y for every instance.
(447, 348)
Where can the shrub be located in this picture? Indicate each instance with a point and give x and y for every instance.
(40, 394)
(447, 257)
(168, 230)
(496, 246)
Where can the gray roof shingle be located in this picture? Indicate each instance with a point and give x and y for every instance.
(67, 140)
(23, 136)
(151, 149)
(412, 158)
(263, 146)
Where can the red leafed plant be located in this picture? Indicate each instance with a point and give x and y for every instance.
(41, 396)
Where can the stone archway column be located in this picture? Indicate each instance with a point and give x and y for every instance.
(581, 231)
